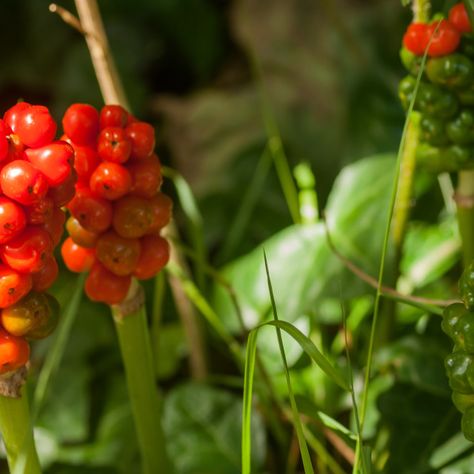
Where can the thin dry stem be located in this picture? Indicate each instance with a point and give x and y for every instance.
(186, 311)
(106, 72)
(67, 17)
(90, 25)
(385, 289)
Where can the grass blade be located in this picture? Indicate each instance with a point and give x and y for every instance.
(308, 467)
(194, 219)
(249, 200)
(58, 347)
(311, 350)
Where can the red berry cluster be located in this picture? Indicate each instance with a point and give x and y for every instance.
(118, 211)
(36, 178)
(440, 37)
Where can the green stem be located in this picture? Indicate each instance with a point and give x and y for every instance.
(17, 433)
(465, 205)
(401, 215)
(421, 10)
(144, 397)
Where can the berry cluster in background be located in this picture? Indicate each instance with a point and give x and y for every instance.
(36, 179)
(118, 211)
(458, 324)
(445, 96)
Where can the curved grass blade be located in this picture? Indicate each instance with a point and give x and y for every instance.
(195, 224)
(249, 370)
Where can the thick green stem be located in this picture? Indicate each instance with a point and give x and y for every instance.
(145, 400)
(465, 204)
(17, 433)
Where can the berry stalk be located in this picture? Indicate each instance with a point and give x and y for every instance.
(133, 336)
(130, 316)
(17, 434)
(464, 198)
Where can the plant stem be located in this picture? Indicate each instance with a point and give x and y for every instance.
(401, 215)
(464, 198)
(17, 433)
(132, 331)
(106, 72)
(421, 10)
(113, 93)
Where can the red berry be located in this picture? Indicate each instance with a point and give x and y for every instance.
(102, 285)
(12, 114)
(146, 176)
(155, 253)
(162, 207)
(14, 352)
(27, 252)
(12, 219)
(54, 160)
(444, 38)
(62, 194)
(45, 277)
(55, 226)
(79, 235)
(4, 145)
(81, 123)
(86, 160)
(40, 211)
(22, 182)
(113, 116)
(459, 18)
(110, 181)
(16, 149)
(93, 213)
(35, 126)
(117, 254)
(13, 286)
(132, 217)
(142, 136)
(113, 145)
(415, 38)
(76, 258)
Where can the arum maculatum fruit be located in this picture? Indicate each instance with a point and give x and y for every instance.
(118, 211)
(445, 95)
(458, 324)
(37, 178)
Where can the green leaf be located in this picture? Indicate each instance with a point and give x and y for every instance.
(417, 422)
(448, 451)
(429, 251)
(303, 267)
(70, 388)
(359, 197)
(171, 349)
(203, 428)
(417, 360)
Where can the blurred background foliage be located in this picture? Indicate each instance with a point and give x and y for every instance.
(209, 74)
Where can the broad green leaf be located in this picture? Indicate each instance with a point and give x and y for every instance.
(70, 389)
(417, 360)
(359, 198)
(429, 251)
(304, 268)
(171, 349)
(203, 427)
(416, 420)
